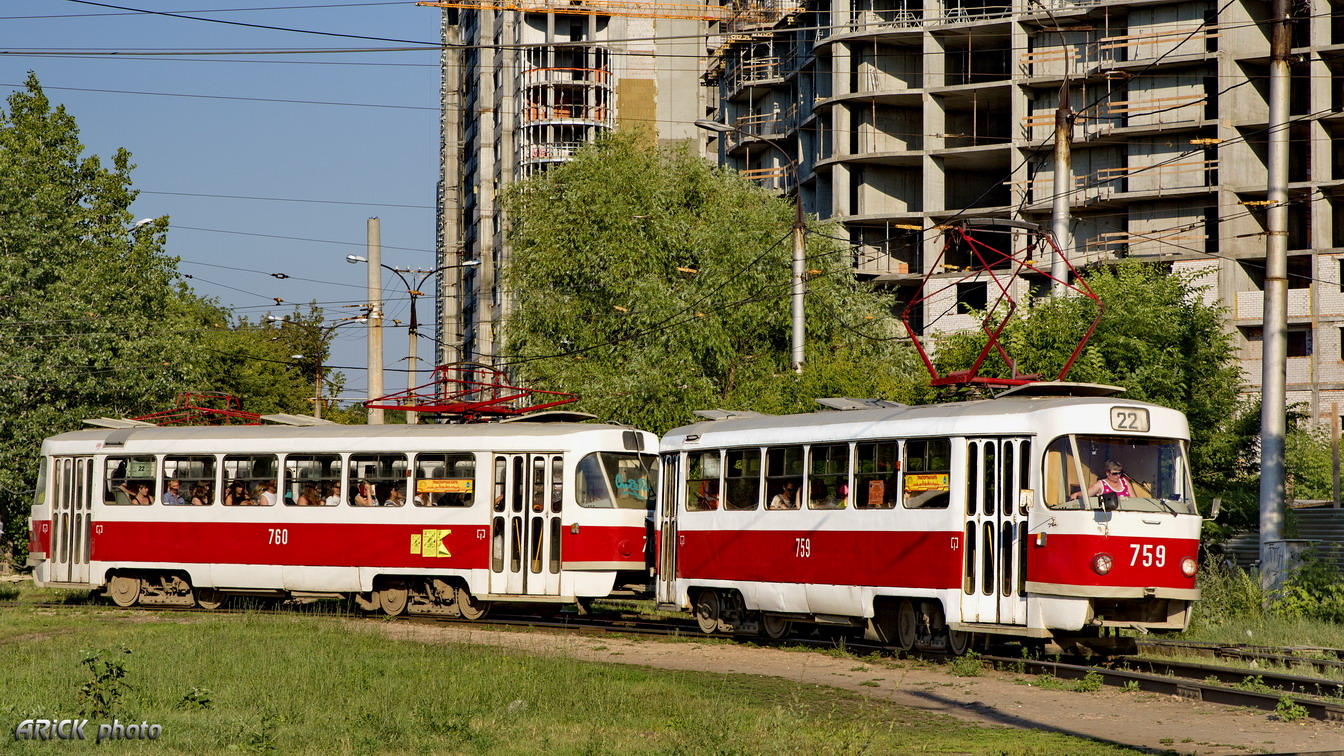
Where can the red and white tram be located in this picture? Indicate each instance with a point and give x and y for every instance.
(427, 518)
(925, 525)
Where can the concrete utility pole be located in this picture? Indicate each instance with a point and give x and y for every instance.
(1059, 223)
(375, 255)
(799, 282)
(1274, 357)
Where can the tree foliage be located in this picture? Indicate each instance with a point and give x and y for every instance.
(94, 319)
(1158, 338)
(654, 284)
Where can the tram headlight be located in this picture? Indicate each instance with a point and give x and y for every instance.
(1101, 563)
(1189, 566)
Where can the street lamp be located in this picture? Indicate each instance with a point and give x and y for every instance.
(799, 229)
(413, 333)
(324, 333)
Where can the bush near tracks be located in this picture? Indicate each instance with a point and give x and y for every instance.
(1234, 608)
(314, 684)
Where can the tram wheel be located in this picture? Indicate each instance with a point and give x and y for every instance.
(209, 598)
(907, 625)
(469, 607)
(957, 641)
(707, 611)
(773, 626)
(393, 600)
(125, 591)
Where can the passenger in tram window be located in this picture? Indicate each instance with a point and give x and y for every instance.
(173, 495)
(266, 493)
(395, 496)
(786, 498)
(363, 495)
(142, 497)
(237, 495)
(200, 495)
(331, 493)
(308, 497)
(1113, 481)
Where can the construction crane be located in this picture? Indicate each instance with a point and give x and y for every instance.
(624, 8)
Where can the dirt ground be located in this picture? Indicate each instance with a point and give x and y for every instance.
(1143, 720)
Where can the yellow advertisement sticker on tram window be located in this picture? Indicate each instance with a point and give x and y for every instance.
(926, 482)
(444, 486)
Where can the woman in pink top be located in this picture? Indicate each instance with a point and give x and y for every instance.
(1114, 481)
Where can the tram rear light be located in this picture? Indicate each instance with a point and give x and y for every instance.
(1101, 563)
(1189, 567)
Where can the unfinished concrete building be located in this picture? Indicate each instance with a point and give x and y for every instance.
(522, 91)
(904, 114)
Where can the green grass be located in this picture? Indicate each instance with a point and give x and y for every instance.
(321, 684)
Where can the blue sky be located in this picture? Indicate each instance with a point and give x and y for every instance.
(206, 130)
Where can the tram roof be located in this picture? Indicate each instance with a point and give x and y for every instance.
(929, 418)
(335, 432)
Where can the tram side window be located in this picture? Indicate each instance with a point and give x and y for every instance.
(129, 481)
(313, 480)
(828, 477)
(445, 480)
(195, 477)
(612, 479)
(251, 480)
(378, 480)
(702, 481)
(784, 477)
(877, 469)
(928, 467)
(742, 479)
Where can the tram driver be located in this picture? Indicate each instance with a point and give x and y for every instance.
(1113, 481)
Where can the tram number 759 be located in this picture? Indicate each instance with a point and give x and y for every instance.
(1148, 555)
(279, 536)
(802, 547)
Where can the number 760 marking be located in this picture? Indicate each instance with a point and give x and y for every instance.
(1148, 555)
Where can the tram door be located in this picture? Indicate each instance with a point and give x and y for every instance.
(71, 483)
(525, 524)
(667, 528)
(993, 576)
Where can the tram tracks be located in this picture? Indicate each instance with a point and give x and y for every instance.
(1255, 687)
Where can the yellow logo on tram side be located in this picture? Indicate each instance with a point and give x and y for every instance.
(926, 482)
(430, 543)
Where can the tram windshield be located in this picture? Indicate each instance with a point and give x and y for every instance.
(1146, 474)
(622, 481)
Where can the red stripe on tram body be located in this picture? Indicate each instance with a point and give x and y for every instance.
(602, 544)
(39, 536)
(908, 559)
(1067, 559)
(308, 544)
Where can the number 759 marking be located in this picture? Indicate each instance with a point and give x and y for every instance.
(802, 547)
(1148, 555)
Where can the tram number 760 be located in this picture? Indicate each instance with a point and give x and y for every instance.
(1148, 555)
(279, 536)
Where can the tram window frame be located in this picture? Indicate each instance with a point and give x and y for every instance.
(118, 468)
(704, 480)
(870, 454)
(293, 481)
(600, 481)
(450, 482)
(390, 471)
(837, 481)
(926, 457)
(742, 492)
(255, 473)
(190, 481)
(501, 484)
(782, 466)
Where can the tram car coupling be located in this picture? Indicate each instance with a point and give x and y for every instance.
(434, 519)
(1054, 514)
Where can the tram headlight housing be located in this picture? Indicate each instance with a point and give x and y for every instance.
(1189, 567)
(1102, 563)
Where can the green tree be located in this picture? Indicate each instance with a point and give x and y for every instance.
(654, 284)
(1157, 338)
(94, 319)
